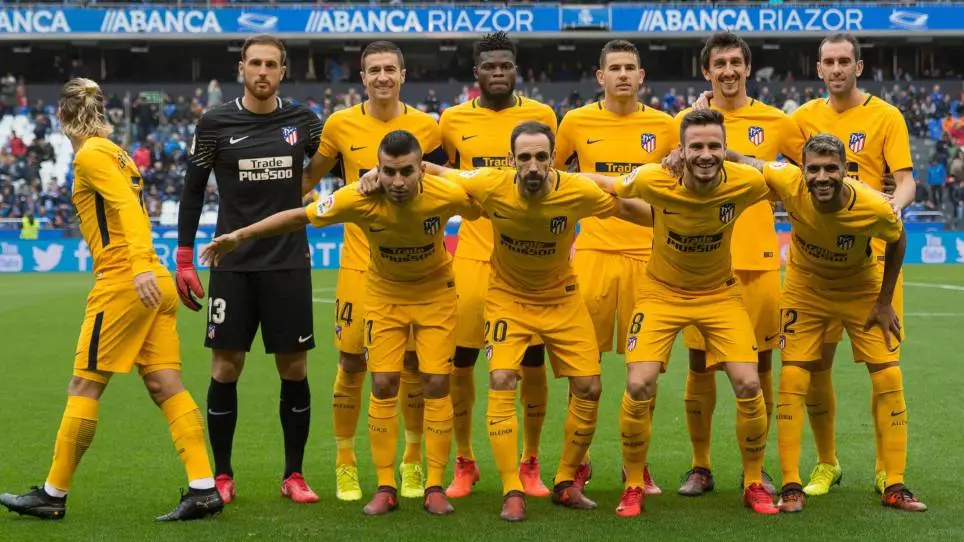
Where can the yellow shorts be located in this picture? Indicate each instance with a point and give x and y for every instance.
(720, 316)
(565, 328)
(761, 297)
(608, 282)
(834, 333)
(350, 311)
(472, 286)
(808, 312)
(390, 328)
(119, 332)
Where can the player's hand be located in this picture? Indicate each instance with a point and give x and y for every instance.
(368, 183)
(703, 102)
(884, 317)
(220, 246)
(188, 284)
(893, 204)
(148, 290)
(673, 162)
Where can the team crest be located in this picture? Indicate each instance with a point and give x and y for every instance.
(631, 344)
(845, 242)
(727, 212)
(326, 205)
(857, 141)
(338, 331)
(755, 134)
(211, 330)
(290, 134)
(558, 224)
(648, 142)
(432, 225)
(488, 352)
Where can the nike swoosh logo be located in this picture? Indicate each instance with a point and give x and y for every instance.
(586, 434)
(769, 338)
(497, 215)
(754, 439)
(466, 138)
(755, 348)
(668, 212)
(302, 340)
(498, 421)
(354, 148)
(225, 413)
(591, 141)
(783, 405)
(634, 435)
(301, 410)
(234, 140)
(414, 395)
(533, 406)
(892, 413)
(375, 230)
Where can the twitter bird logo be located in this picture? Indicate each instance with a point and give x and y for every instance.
(47, 259)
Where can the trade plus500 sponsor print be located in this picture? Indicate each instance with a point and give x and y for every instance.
(325, 247)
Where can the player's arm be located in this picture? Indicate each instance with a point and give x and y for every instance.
(448, 142)
(199, 164)
(319, 165)
(432, 145)
(791, 140)
(325, 157)
(565, 151)
(104, 177)
(883, 314)
(606, 183)
(733, 156)
(636, 211)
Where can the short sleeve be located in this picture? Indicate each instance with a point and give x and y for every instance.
(791, 140)
(314, 127)
(477, 183)
(565, 144)
(342, 206)
(629, 185)
(596, 203)
(887, 225)
(782, 179)
(448, 144)
(897, 142)
(328, 143)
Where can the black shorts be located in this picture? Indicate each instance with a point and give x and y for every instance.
(280, 301)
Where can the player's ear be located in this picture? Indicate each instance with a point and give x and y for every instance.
(241, 67)
(642, 76)
(475, 72)
(510, 159)
(707, 75)
(402, 74)
(600, 78)
(283, 72)
(860, 67)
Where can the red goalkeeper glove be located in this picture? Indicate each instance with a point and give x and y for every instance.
(188, 283)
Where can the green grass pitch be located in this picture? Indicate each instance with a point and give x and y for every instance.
(131, 473)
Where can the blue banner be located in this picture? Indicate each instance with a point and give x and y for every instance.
(470, 21)
(72, 255)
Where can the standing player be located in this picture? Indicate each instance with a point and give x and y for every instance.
(256, 146)
(410, 291)
(690, 281)
(476, 134)
(533, 291)
(611, 137)
(130, 317)
(877, 142)
(754, 129)
(351, 136)
(833, 277)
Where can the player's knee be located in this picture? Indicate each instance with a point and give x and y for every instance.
(641, 389)
(162, 385)
(698, 361)
(352, 363)
(226, 365)
(746, 386)
(503, 380)
(86, 387)
(465, 357)
(292, 366)
(534, 356)
(410, 361)
(586, 387)
(385, 385)
(435, 386)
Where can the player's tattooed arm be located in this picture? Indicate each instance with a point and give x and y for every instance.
(276, 224)
(883, 314)
(733, 156)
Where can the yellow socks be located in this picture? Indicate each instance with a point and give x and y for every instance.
(635, 427)
(462, 385)
(578, 431)
(76, 432)
(534, 394)
(699, 397)
(345, 409)
(794, 383)
(413, 413)
(822, 409)
(383, 436)
(438, 439)
(751, 431)
(890, 419)
(504, 437)
(187, 432)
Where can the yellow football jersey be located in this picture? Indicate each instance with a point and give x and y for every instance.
(110, 207)
(600, 141)
(759, 131)
(832, 250)
(353, 136)
(473, 137)
(409, 263)
(531, 258)
(693, 232)
(874, 133)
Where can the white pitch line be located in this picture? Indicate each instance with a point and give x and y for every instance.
(322, 290)
(954, 287)
(325, 300)
(935, 314)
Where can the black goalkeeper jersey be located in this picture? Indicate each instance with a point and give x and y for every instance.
(257, 160)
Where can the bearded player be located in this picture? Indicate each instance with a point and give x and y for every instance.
(611, 137)
(877, 142)
(476, 134)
